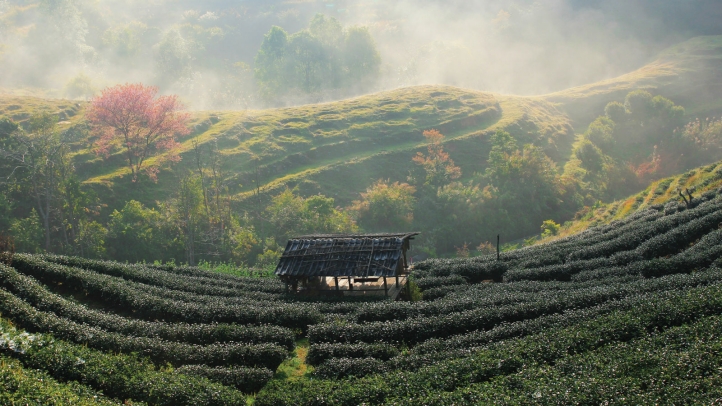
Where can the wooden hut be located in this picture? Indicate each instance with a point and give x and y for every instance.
(336, 262)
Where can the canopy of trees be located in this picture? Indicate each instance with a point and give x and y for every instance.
(325, 57)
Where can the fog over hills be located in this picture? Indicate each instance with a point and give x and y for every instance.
(206, 51)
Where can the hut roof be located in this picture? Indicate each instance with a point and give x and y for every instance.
(356, 255)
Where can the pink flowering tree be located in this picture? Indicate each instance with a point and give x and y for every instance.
(132, 118)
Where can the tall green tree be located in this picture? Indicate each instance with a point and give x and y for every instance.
(324, 57)
(361, 59)
(270, 72)
(41, 165)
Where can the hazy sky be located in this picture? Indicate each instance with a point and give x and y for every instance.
(520, 47)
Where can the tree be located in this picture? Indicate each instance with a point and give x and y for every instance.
(601, 133)
(173, 56)
(591, 157)
(385, 206)
(28, 233)
(616, 112)
(503, 146)
(292, 215)
(40, 159)
(361, 59)
(523, 180)
(130, 117)
(270, 60)
(549, 228)
(189, 210)
(439, 168)
(639, 105)
(308, 62)
(321, 58)
(136, 233)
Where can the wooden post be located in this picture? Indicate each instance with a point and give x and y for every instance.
(386, 287)
(498, 255)
(350, 284)
(397, 281)
(335, 279)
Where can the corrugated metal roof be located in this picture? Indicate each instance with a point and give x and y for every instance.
(368, 255)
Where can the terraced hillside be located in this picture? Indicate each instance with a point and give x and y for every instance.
(696, 181)
(629, 312)
(340, 148)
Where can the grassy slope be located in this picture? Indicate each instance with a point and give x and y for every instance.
(698, 180)
(340, 148)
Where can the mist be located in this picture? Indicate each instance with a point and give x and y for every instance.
(205, 50)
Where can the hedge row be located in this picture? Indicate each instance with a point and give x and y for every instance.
(415, 330)
(679, 366)
(22, 386)
(505, 357)
(639, 233)
(116, 293)
(467, 297)
(435, 350)
(160, 351)
(119, 376)
(319, 353)
(449, 347)
(195, 281)
(247, 380)
(701, 255)
(547, 253)
(340, 368)
(36, 295)
(436, 281)
(593, 243)
(669, 242)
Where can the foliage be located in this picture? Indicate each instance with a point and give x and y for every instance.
(292, 215)
(136, 232)
(385, 206)
(632, 145)
(322, 58)
(80, 87)
(549, 228)
(705, 134)
(28, 233)
(562, 302)
(19, 384)
(130, 117)
(7, 249)
(120, 376)
(41, 167)
(437, 165)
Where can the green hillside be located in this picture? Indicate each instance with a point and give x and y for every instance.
(339, 148)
